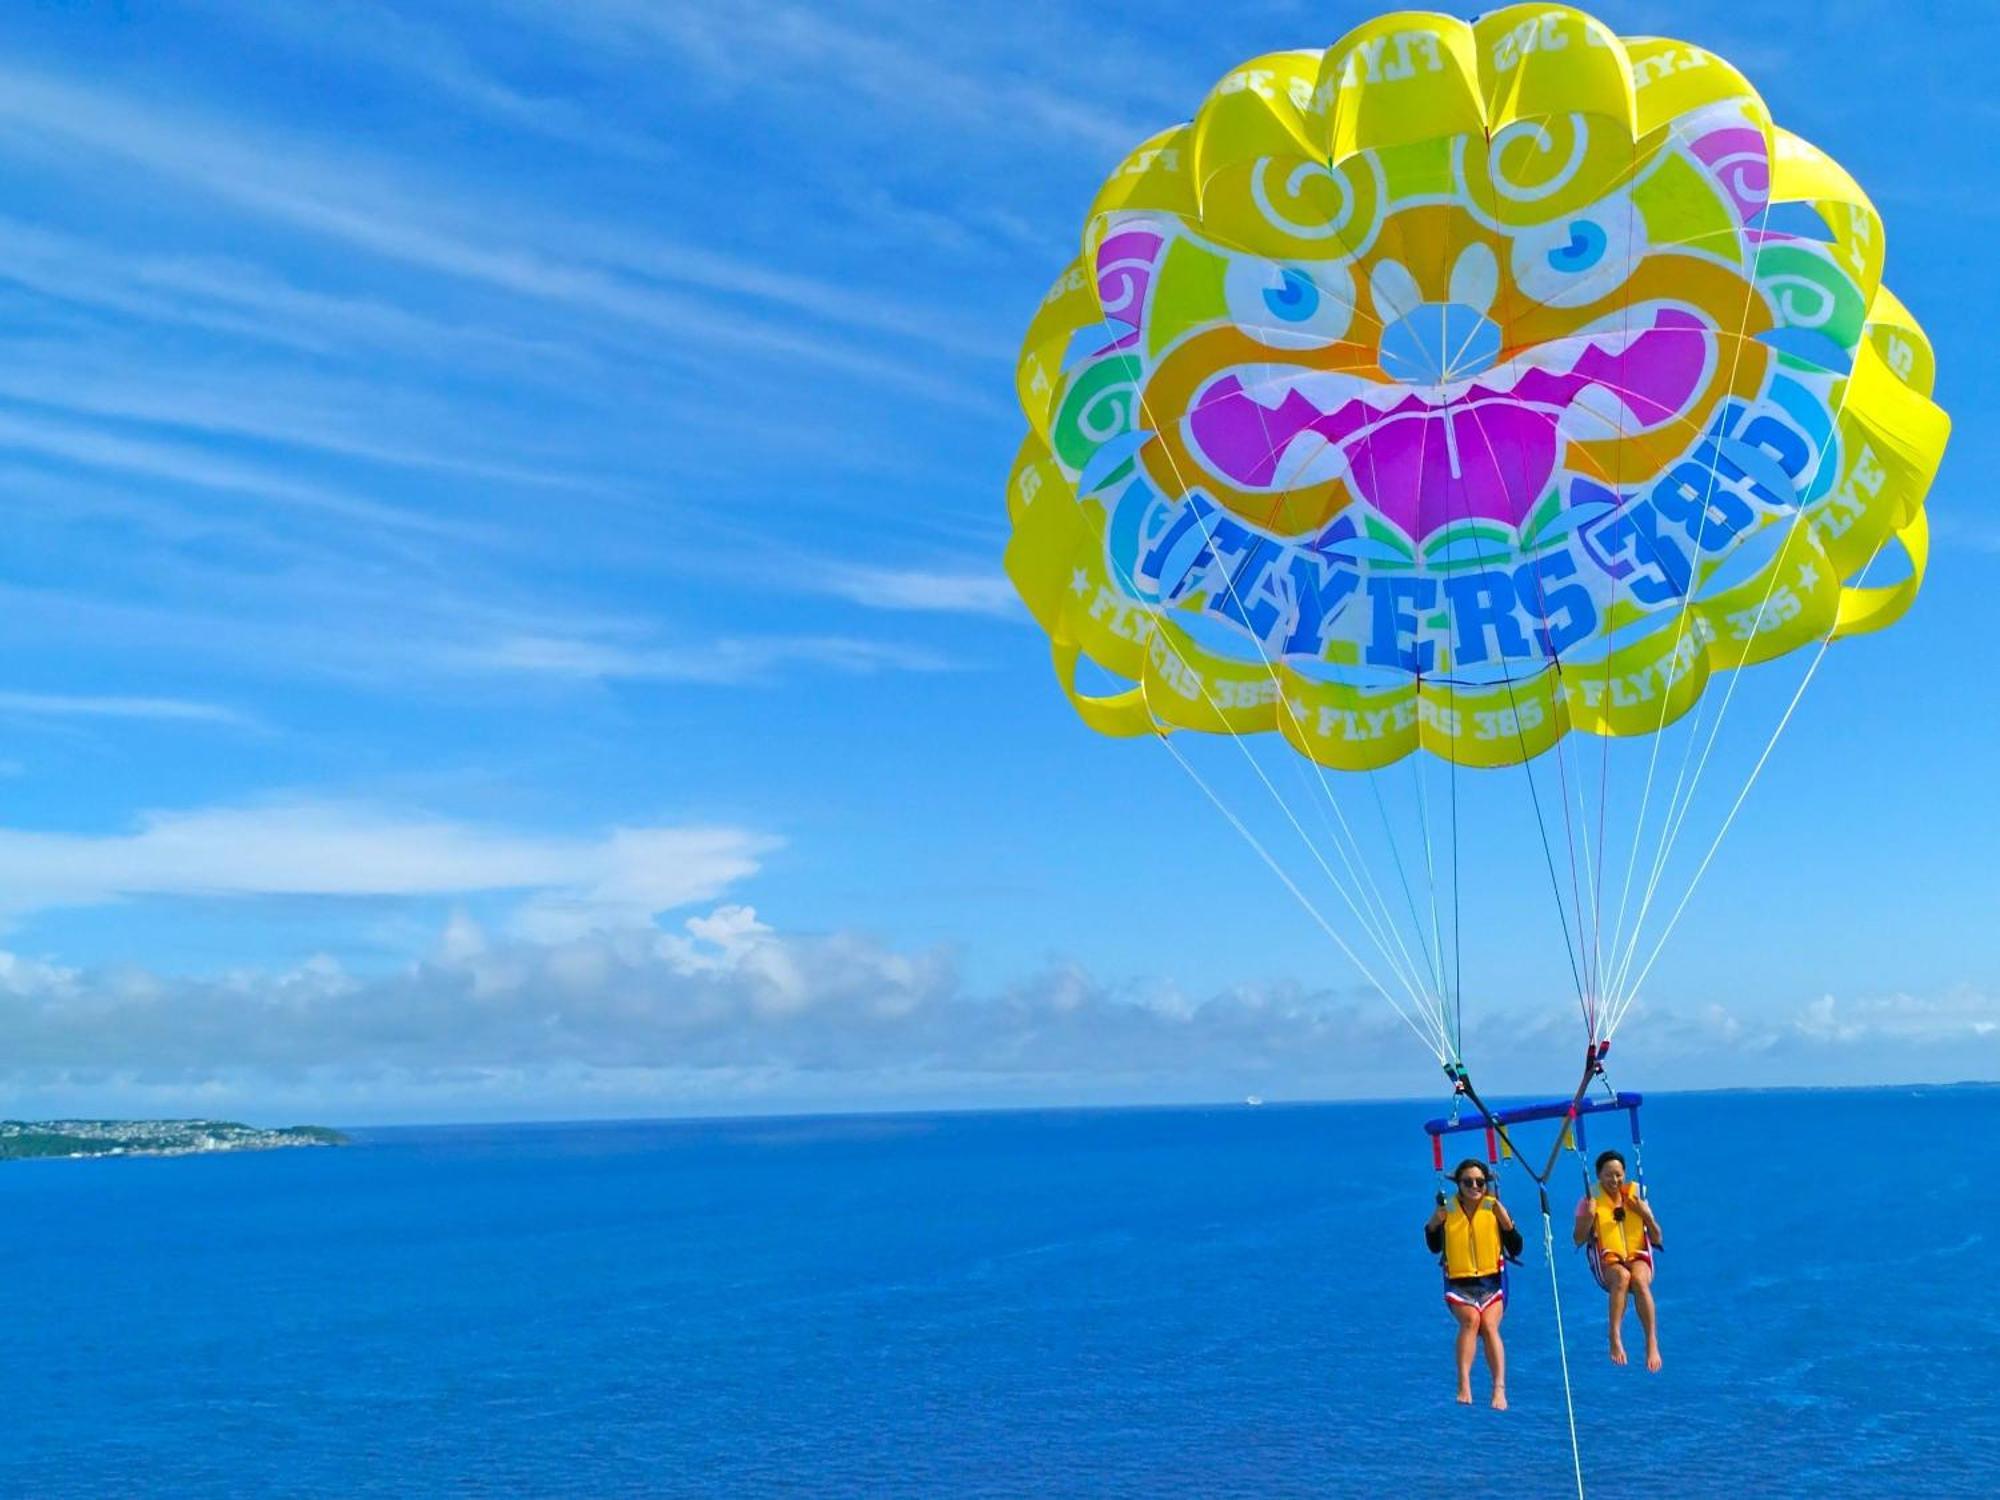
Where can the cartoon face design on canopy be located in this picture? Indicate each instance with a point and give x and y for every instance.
(1446, 356)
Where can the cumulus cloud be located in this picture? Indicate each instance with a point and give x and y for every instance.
(724, 1013)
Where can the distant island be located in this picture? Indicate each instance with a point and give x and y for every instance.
(21, 1139)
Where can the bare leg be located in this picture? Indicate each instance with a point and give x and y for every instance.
(1617, 1279)
(1468, 1338)
(1496, 1352)
(1642, 1302)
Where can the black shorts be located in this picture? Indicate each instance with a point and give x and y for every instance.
(1477, 1292)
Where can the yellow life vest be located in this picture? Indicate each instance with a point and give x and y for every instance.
(1471, 1241)
(1624, 1237)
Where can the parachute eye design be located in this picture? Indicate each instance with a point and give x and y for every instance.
(1289, 307)
(1584, 250)
(1295, 299)
(1578, 259)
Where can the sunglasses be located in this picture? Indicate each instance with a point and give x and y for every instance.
(1472, 1182)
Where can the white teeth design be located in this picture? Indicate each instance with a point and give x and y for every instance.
(1595, 414)
(1311, 459)
(1475, 278)
(1394, 290)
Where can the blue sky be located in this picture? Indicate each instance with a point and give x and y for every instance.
(504, 613)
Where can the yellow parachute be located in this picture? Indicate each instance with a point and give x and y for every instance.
(1461, 385)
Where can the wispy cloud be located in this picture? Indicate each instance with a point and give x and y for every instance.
(280, 406)
(1970, 533)
(730, 660)
(323, 848)
(176, 463)
(72, 706)
(758, 47)
(389, 40)
(945, 591)
(365, 206)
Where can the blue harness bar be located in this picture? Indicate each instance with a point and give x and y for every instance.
(1557, 1111)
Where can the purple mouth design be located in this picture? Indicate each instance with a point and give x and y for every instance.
(1422, 457)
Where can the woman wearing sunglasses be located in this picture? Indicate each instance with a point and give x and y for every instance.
(1470, 1233)
(1625, 1234)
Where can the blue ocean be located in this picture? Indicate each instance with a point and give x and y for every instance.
(1220, 1301)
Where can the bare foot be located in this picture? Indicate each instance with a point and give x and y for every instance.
(1499, 1398)
(1653, 1358)
(1465, 1395)
(1617, 1350)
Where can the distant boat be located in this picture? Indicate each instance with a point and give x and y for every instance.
(1253, 1101)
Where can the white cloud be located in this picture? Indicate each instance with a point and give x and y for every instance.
(176, 463)
(948, 591)
(362, 205)
(722, 661)
(378, 35)
(759, 48)
(322, 848)
(75, 706)
(1956, 1016)
(727, 1013)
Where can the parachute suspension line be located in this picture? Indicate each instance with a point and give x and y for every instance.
(1573, 944)
(1405, 972)
(1375, 921)
(1380, 920)
(1672, 832)
(1457, 945)
(1593, 976)
(1757, 770)
(1570, 947)
(1434, 1040)
(1673, 658)
(1586, 983)
(1604, 686)
(1453, 1001)
(1430, 875)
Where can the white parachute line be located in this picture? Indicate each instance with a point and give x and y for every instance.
(1583, 823)
(1406, 971)
(1678, 815)
(1389, 834)
(1406, 977)
(1573, 945)
(1352, 855)
(1604, 757)
(1453, 1006)
(1631, 992)
(1430, 875)
(1434, 1040)
(1681, 616)
(1527, 763)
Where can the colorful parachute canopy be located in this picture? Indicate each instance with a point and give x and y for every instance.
(1461, 385)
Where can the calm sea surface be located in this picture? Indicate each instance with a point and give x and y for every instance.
(1228, 1302)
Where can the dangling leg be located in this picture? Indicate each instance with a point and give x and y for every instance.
(1468, 1337)
(1496, 1352)
(1616, 1280)
(1642, 1301)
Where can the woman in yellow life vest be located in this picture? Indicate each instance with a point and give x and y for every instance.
(1470, 1233)
(1617, 1222)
